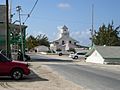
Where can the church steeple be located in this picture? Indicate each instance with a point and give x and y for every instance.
(64, 27)
(64, 32)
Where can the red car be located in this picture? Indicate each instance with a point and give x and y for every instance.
(15, 69)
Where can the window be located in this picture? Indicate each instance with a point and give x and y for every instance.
(69, 41)
(81, 53)
(64, 30)
(74, 43)
(63, 42)
(3, 58)
(56, 42)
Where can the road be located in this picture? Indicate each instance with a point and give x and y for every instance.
(91, 78)
(44, 58)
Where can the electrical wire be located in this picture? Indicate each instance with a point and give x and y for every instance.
(31, 11)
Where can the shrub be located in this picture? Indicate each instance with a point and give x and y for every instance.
(58, 49)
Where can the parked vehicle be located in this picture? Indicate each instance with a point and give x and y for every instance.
(60, 53)
(71, 55)
(27, 57)
(15, 69)
(20, 57)
(79, 55)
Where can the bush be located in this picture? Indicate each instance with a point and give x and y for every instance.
(58, 49)
(72, 50)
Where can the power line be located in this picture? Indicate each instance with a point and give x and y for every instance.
(31, 11)
(59, 20)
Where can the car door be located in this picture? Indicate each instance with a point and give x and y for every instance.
(2, 68)
(4, 65)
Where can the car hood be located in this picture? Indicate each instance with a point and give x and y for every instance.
(19, 62)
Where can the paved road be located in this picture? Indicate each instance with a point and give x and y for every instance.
(91, 78)
(45, 58)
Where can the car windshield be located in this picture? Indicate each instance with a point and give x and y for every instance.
(81, 53)
(3, 58)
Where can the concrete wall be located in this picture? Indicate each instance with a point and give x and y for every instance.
(2, 13)
(3, 36)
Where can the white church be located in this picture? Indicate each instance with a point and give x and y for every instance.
(65, 42)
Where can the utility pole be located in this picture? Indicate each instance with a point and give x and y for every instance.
(21, 31)
(7, 28)
(92, 31)
(10, 12)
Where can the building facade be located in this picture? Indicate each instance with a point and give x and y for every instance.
(65, 42)
(104, 54)
(3, 32)
(2, 13)
(15, 33)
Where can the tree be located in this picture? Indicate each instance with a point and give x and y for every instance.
(32, 41)
(107, 35)
(42, 40)
(72, 50)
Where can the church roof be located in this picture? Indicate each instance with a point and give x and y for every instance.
(74, 40)
(106, 51)
(66, 38)
(64, 27)
(70, 38)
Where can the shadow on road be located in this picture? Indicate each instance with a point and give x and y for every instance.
(30, 78)
(50, 60)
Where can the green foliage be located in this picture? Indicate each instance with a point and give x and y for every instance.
(15, 38)
(58, 49)
(42, 40)
(72, 50)
(49, 51)
(32, 41)
(107, 35)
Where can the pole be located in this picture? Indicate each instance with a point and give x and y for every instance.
(8, 32)
(92, 23)
(21, 32)
(10, 15)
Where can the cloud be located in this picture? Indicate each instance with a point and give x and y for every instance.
(82, 37)
(64, 5)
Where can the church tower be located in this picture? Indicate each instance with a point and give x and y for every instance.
(64, 32)
(64, 42)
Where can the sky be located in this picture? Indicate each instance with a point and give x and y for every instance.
(48, 15)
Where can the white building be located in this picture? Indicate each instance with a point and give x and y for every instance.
(65, 42)
(41, 48)
(104, 54)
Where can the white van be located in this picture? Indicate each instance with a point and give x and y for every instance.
(79, 55)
